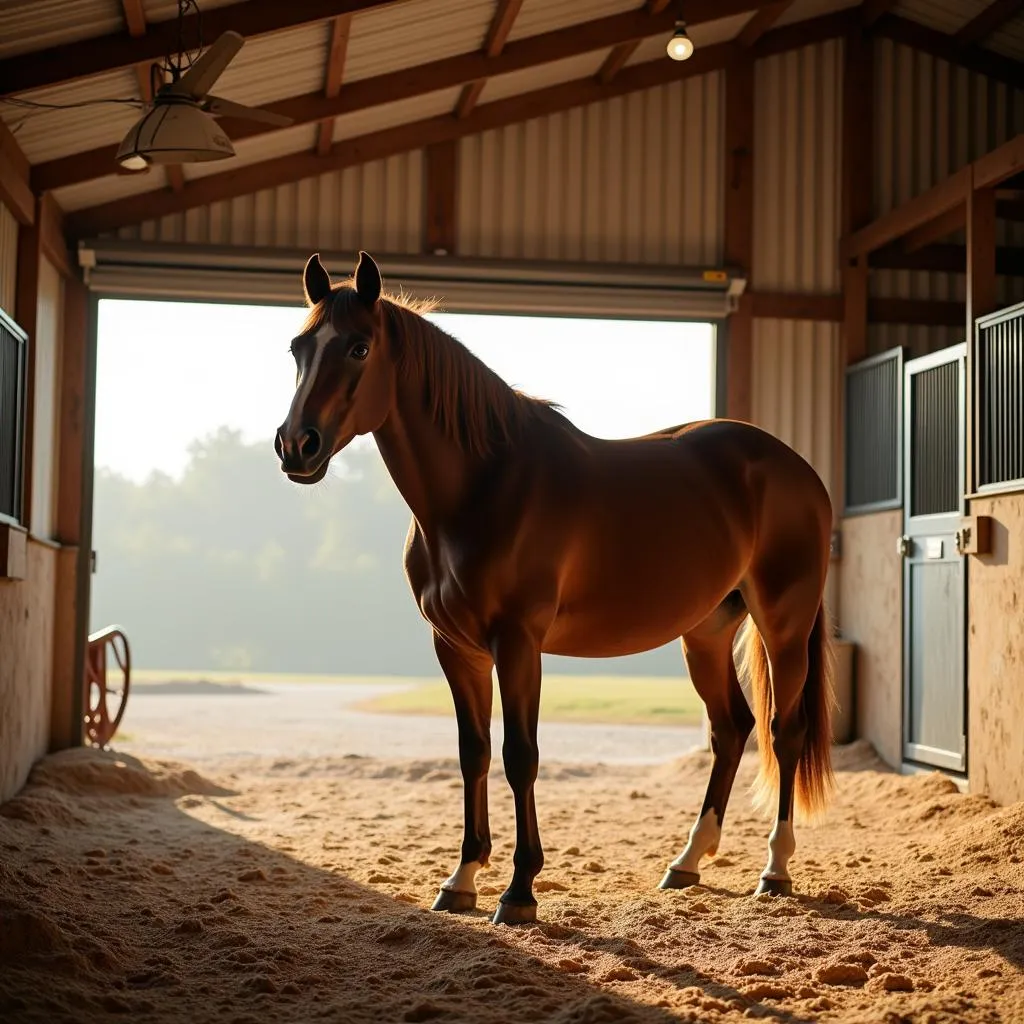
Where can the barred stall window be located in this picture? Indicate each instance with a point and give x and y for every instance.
(12, 416)
(874, 433)
(1000, 381)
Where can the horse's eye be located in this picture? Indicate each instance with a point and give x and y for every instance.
(360, 350)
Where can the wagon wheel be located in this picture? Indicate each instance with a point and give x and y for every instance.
(105, 701)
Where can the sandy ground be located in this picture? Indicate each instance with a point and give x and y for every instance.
(200, 722)
(297, 891)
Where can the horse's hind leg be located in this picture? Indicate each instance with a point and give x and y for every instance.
(469, 676)
(709, 658)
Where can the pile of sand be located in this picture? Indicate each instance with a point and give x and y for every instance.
(298, 891)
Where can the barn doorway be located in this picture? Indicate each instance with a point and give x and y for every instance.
(934, 571)
(202, 545)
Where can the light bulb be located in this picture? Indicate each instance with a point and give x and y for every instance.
(680, 47)
(134, 162)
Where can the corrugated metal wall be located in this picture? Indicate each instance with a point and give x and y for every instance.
(798, 186)
(931, 119)
(633, 179)
(374, 206)
(798, 180)
(8, 259)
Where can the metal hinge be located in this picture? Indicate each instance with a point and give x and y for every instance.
(903, 545)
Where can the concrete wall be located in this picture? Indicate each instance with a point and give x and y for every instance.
(995, 659)
(26, 653)
(870, 614)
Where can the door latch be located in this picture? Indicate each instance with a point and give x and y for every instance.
(963, 540)
(903, 546)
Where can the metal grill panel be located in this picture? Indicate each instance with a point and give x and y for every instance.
(934, 419)
(12, 396)
(874, 443)
(1000, 371)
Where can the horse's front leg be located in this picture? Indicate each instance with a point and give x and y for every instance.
(469, 675)
(517, 657)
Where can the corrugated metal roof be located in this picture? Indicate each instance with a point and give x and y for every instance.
(415, 32)
(253, 151)
(707, 34)
(538, 16)
(944, 15)
(584, 66)
(273, 67)
(1009, 40)
(801, 10)
(28, 25)
(104, 190)
(164, 10)
(390, 115)
(47, 134)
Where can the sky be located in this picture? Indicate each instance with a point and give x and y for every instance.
(171, 372)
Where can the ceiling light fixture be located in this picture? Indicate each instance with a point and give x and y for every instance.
(680, 46)
(174, 131)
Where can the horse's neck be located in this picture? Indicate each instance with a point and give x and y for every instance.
(429, 469)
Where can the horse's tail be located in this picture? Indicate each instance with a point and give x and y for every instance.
(814, 779)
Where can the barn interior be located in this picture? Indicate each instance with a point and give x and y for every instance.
(838, 189)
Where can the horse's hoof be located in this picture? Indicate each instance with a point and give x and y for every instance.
(455, 902)
(515, 913)
(676, 879)
(775, 887)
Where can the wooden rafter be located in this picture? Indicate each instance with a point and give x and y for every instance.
(70, 61)
(494, 42)
(805, 33)
(761, 22)
(946, 259)
(988, 21)
(134, 17)
(424, 78)
(378, 145)
(619, 55)
(945, 47)
(340, 30)
(872, 10)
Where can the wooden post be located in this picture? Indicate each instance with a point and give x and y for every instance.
(739, 230)
(26, 312)
(981, 297)
(439, 235)
(69, 637)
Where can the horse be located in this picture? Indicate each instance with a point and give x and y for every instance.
(529, 536)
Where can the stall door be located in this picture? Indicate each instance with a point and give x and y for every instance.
(934, 574)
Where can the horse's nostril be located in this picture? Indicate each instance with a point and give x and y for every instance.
(310, 444)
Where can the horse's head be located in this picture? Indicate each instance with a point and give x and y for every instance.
(344, 375)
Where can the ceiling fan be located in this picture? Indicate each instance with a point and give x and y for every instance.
(178, 126)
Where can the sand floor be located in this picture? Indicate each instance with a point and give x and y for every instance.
(298, 890)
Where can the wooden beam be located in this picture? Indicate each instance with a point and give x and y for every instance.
(415, 81)
(494, 42)
(65, 725)
(855, 312)
(872, 10)
(921, 210)
(858, 132)
(441, 172)
(52, 240)
(26, 313)
(919, 312)
(1001, 164)
(739, 230)
(783, 306)
(934, 231)
(946, 259)
(805, 33)
(616, 60)
(987, 21)
(250, 18)
(341, 28)
(401, 139)
(945, 47)
(763, 20)
(15, 191)
(135, 17)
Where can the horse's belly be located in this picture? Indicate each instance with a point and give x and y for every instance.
(608, 632)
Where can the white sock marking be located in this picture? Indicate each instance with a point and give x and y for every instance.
(463, 878)
(781, 846)
(704, 838)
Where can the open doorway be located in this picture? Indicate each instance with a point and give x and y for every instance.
(272, 619)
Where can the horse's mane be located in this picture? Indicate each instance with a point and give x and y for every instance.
(463, 395)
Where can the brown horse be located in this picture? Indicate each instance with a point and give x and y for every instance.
(530, 536)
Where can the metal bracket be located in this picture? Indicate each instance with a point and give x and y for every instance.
(903, 545)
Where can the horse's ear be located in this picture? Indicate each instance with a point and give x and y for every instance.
(316, 282)
(368, 282)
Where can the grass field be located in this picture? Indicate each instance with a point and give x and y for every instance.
(605, 700)
(619, 700)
